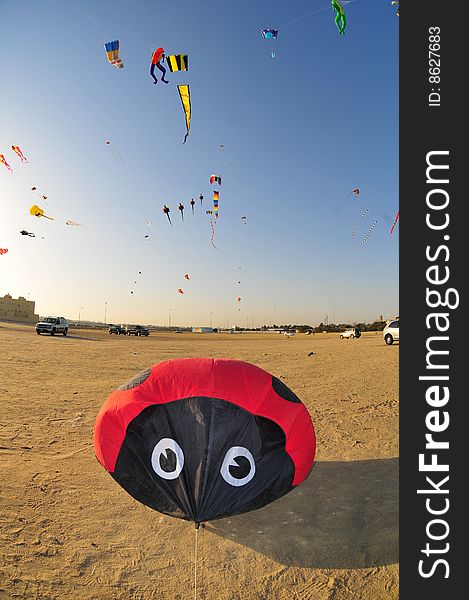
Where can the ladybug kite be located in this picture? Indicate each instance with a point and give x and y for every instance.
(203, 438)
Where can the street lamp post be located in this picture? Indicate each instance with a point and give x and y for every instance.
(211, 318)
(105, 308)
(169, 319)
(79, 313)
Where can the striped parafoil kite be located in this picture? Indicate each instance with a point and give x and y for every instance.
(3, 251)
(17, 151)
(112, 51)
(215, 179)
(202, 438)
(215, 203)
(178, 62)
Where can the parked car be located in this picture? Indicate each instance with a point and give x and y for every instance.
(391, 332)
(117, 329)
(350, 333)
(289, 333)
(52, 325)
(137, 330)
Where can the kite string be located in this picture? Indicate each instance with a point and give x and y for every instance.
(311, 14)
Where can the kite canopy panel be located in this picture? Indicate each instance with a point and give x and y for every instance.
(202, 438)
(269, 33)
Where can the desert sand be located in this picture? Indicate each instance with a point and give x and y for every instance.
(69, 531)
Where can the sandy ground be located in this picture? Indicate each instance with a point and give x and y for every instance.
(69, 531)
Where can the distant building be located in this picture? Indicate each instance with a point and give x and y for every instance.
(17, 309)
(202, 330)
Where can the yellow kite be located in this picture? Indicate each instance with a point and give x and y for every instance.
(185, 95)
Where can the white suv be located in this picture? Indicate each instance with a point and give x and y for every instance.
(52, 325)
(350, 333)
(391, 332)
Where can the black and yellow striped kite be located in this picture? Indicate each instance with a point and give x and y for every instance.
(178, 62)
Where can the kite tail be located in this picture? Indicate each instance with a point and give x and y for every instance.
(394, 224)
(367, 235)
(358, 222)
(213, 234)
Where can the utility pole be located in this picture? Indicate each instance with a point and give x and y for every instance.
(105, 308)
(79, 313)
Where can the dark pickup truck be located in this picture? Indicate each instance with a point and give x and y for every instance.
(117, 329)
(137, 330)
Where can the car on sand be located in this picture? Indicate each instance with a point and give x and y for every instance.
(137, 330)
(117, 329)
(52, 325)
(391, 332)
(350, 333)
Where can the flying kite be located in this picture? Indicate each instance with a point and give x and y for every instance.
(24, 232)
(396, 2)
(244, 219)
(238, 299)
(202, 438)
(3, 251)
(112, 51)
(117, 156)
(340, 18)
(185, 95)
(68, 222)
(156, 58)
(201, 198)
(215, 179)
(4, 162)
(209, 212)
(186, 276)
(270, 34)
(356, 191)
(17, 150)
(396, 219)
(166, 212)
(192, 205)
(178, 62)
(148, 223)
(180, 291)
(36, 211)
(181, 208)
(359, 221)
(216, 195)
(367, 235)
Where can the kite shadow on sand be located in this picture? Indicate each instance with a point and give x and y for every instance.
(345, 515)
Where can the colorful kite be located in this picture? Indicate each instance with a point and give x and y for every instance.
(4, 162)
(36, 211)
(359, 221)
(68, 222)
(181, 208)
(178, 62)
(156, 58)
(185, 95)
(367, 235)
(215, 179)
(112, 51)
(24, 232)
(269, 34)
(192, 205)
(3, 251)
(216, 195)
(340, 18)
(396, 219)
(209, 212)
(203, 438)
(166, 212)
(17, 150)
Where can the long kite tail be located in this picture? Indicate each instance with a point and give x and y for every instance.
(367, 235)
(213, 234)
(396, 219)
(169, 219)
(358, 222)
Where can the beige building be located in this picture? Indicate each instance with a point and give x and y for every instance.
(18, 309)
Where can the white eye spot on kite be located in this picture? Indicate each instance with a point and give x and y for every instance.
(167, 459)
(238, 466)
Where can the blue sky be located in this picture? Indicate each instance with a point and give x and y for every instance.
(299, 132)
